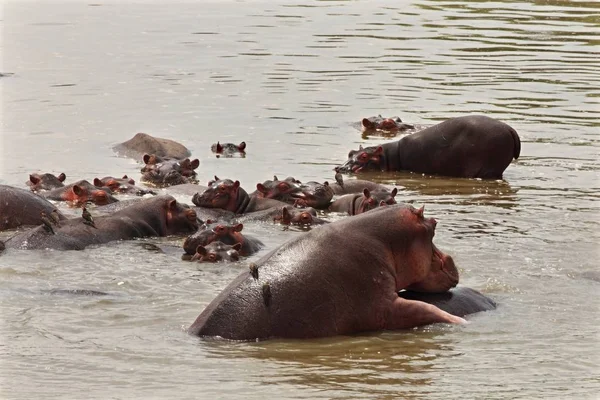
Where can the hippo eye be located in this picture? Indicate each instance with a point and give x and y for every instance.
(306, 218)
(363, 157)
(212, 257)
(283, 186)
(222, 188)
(219, 229)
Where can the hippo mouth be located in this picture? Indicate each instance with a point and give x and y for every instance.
(446, 265)
(349, 168)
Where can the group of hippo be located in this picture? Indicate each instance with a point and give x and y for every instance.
(378, 269)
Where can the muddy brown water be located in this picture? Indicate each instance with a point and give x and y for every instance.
(289, 79)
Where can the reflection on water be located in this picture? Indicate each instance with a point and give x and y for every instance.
(290, 80)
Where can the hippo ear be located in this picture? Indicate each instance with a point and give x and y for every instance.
(360, 148)
(98, 182)
(238, 227)
(242, 146)
(209, 221)
(367, 124)
(125, 177)
(285, 214)
(172, 205)
(219, 148)
(236, 184)
(78, 190)
(378, 151)
(366, 193)
(62, 177)
(382, 203)
(325, 183)
(217, 178)
(201, 250)
(420, 211)
(275, 178)
(394, 192)
(34, 179)
(195, 163)
(261, 188)
(237, 246)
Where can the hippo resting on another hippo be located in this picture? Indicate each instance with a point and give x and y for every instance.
(291, 190)
(21, 207)
(167, 171)
(340, 279)
(143, 143)
(81, 192)
(474, 146)
(157, 216)
(226, 233)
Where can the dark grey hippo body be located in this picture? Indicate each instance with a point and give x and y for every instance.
(20, 207)
(350, 186)
(143, 143)
(474, 146)
(157, 216)
(342, 278)
(459, 301)
(287, 215)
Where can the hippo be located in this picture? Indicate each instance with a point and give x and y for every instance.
(287, 215)
(348, 186)
(229, 149)
(355, 204)
(291, 190)
(143, 143)
(473, 146)
(224, 232)
(459, 301)
(156, 216)
(383, 126)
(228, 195)
(323, 284)
(122, 185)
(19, 207)
(47, 181)
(314, 194)
(165, 171)
(80, 193)
(216, 252)
(277, 189)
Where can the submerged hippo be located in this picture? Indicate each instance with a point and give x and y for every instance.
(156, 216)
(80, 193)
(354, 204)
(167, 171)
(342, 278)
(474, 146)
(122, 185)
(228, 195)
(217, 252)
(143, 143)
(349, 186)
(227, 233)
(383, 126)
(47, 181)
(290, 190)
(286, 215)
(229, 149)
(20, 207)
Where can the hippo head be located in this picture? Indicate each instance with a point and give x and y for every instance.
(420, 265)
(217, 251)
(180, 218)
(221, 193)
(213, 232)
(46, 181)
(228, 149)
(278, 189)
(83, 192)
(363, 159)
(294, 216)
(164, 171)
(382, 125)
(313, 194)
(371, 200)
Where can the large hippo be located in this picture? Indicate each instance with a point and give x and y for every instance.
(228, 195)
(80, 193)
(21, 207)
(474, 146)
(156, 216)
(143, 143)
(342, 278)
(46, 181)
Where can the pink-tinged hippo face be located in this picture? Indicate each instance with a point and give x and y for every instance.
(216, 252)
(363, 159)
(180, 218)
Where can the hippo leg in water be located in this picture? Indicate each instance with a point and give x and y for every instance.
(342, 278)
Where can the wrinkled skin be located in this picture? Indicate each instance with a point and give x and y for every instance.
(314, 194)
(286, 215)
(229, 149)
(474, 146)
(228, 195)
(163, 171)
(227, 233)
(217, 252)
(292, 191)
(347, 186)
(323, 284)
(80, 193)
(143, 143)
(47, 181)
(282, 190)
(354, 204)
(123, 185)
(156, 216)
(19, 207)
(460, 301)
(383, 126)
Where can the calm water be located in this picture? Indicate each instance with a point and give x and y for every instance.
(289, 79)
